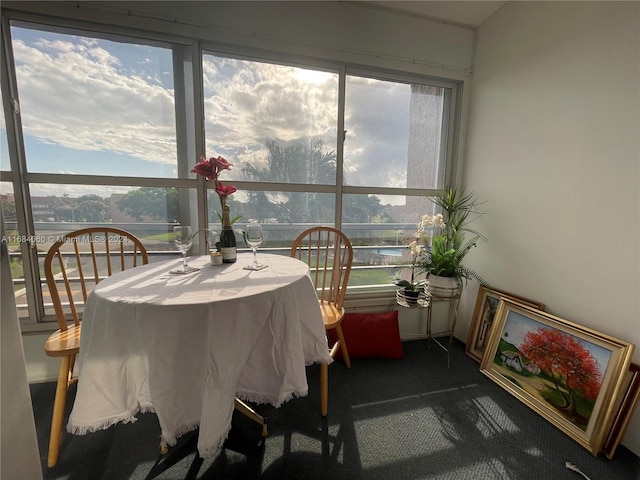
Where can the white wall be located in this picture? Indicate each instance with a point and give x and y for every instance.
(553, 146)
(343, 31)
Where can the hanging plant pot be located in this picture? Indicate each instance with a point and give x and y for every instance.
(444, 287)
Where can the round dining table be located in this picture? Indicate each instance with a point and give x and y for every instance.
(186, 346)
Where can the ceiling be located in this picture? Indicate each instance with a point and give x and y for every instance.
(469, 14)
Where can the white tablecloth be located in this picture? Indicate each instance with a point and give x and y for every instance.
(183, 346)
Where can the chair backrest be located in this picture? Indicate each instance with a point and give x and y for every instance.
(329, 254)
(77, 261)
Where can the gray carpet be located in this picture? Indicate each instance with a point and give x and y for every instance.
(388, 419)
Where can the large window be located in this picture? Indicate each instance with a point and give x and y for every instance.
(277, 124)
(96, 113)
(393, 134)
(110, 129)
(95, 106)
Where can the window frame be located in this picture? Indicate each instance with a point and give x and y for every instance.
(187, 54)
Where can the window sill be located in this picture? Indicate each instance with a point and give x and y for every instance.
(32, 328)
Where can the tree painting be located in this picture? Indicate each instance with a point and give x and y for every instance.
(553, 366)
(571, 367)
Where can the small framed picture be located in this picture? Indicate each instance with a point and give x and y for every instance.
(571, 375)
(483, 314)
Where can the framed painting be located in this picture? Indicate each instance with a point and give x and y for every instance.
(626, 408)
(571, 375)
(483, 314)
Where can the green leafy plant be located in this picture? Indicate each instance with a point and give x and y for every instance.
(449, 248)
(233, 220)
(410, 285)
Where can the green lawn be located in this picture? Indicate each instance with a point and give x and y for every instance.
(370, 277)
(162, 237)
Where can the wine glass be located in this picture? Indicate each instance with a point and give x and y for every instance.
(183, 239)
(253, 237)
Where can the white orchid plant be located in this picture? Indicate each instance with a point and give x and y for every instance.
(417, 249)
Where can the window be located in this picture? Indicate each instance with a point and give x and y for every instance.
(110, 131)
(393, 134)
(98, 120)
(94, 106)
(394, 142)
(277, 124)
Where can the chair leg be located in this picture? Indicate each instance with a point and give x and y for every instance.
(324, 389)
(343, 346)
(59, 404)
(252, 414)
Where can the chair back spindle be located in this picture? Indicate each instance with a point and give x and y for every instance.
(329, 254)
(79, 260)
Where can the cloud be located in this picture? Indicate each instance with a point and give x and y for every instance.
(248, 103)
(77, 94)
(377, 124)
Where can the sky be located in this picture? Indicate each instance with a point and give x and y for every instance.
(104, 107)
(92, 106)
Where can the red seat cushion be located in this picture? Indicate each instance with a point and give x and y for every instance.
(370, 335)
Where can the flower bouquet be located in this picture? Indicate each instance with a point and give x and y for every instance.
(210, 170)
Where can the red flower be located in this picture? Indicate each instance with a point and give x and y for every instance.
(210, 170)
(206, 168)
(224, 191)
(221, 164)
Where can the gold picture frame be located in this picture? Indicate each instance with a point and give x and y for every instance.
(483, 314)
(624, 412)
(571, 375)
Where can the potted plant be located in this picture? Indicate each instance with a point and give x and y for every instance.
(411, 289)
(442, 261)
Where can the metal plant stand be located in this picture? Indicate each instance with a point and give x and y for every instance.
(425, 301)
(454, 302)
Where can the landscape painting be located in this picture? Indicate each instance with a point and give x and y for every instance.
(569, 374)
(484, 312)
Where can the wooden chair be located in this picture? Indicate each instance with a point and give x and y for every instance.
(75, 263)
(329, 254)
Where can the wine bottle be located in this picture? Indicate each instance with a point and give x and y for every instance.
(227, 238)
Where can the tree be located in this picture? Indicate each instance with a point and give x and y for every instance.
(567, 362)
(362, 209)
(8, 209)
(305, 162)
(260, 208)
(87, 208)
(153, 202)
(92, 208)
